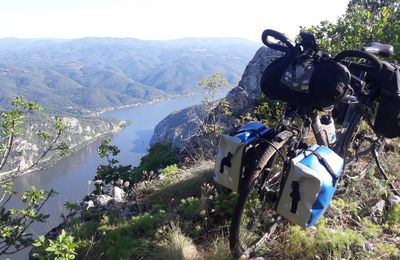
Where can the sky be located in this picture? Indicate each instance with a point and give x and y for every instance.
(161, 19)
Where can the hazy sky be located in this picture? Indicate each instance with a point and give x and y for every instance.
(161, 19)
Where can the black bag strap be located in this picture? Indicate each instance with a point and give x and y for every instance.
(327, 166)
(295, 194)
(226, 161)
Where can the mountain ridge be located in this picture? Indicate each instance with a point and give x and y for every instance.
(90, 74)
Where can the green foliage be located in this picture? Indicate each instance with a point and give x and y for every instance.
(267, 111)
(387, 251)
(341, 243)
(299, 244)
(393, 215)
(129, 239)
(62, 248)
(326, 242)
(359, 25)
(213, 84)
(105, 149)
(11, 121)
(15, 223)
(215, 110)
(190, 207)
(371, 230)
(160, 155)
(168, 175)
(223, 204)
(113, 171)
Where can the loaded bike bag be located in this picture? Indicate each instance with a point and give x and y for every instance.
(310, 185)
(307, 82)
(235, 152)
(387, 118)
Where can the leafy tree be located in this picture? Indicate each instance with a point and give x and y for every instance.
(159, 156)
(112, 171)
(373, 5)
(363, 22)
(14, 223)
(62, 248)
(215, 110)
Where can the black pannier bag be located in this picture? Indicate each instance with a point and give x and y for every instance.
(387, 119)
(320, 83)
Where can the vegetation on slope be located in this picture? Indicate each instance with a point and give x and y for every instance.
(182, 214)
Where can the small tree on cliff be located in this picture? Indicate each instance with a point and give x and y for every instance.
(213, 108)
(14, 223)
(203, 142)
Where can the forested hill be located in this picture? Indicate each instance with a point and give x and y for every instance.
(87, 74)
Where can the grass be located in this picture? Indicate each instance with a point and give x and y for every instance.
(186, 184)
(173, 244)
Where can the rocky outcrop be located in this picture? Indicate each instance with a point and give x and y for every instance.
(181, 128)
(28, 147)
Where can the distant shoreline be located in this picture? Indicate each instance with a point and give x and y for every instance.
(153, 101)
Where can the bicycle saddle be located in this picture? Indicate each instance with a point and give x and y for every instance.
(377, 48)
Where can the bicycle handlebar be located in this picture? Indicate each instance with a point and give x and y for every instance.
(285, 44)
(374, 63)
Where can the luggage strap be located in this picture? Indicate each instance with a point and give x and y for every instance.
(327, 167)
(226, 161)
(295, 194)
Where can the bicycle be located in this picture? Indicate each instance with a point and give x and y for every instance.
(262, 180)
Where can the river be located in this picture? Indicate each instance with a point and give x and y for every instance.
(72, 176)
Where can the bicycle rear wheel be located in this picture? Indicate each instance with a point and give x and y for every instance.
(254, 218)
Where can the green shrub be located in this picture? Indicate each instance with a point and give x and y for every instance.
(393, 215)
(371, 230)
(299, 243)
(387, 251)
(190, 207)
(269, 111)
(64, 247)
(168, 175)
(159, 156)
(340, 243)
(129, 239)
(224, 205)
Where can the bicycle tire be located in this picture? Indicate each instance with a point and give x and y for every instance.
(238, 247)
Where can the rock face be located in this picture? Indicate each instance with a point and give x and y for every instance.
(178, 126)
(181, 128)
(28, 146)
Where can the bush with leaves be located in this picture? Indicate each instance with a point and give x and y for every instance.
(159, 156)
(15, 223)
(214, 109)
(363, 22)
(62, 248)
(112, 171)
